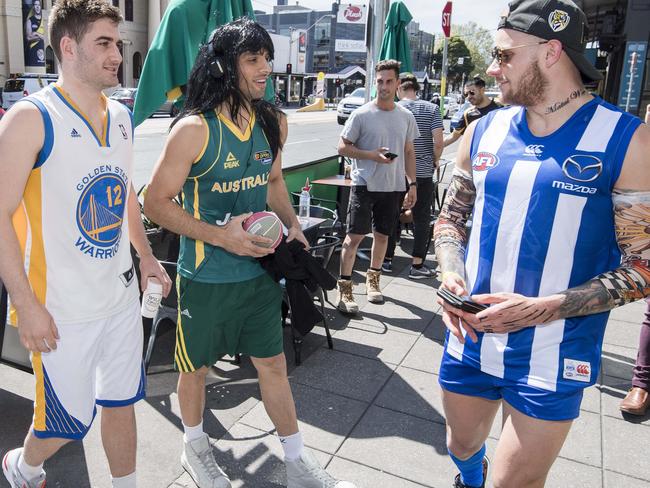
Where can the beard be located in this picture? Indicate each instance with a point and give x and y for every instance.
(530, 88)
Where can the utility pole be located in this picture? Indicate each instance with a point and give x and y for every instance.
(446, 27)
(379, 12)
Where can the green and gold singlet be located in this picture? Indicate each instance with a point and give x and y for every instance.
(228, 178)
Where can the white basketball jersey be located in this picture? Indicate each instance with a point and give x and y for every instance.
(72, 222)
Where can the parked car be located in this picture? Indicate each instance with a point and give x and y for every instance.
(21, 85)
(457, 117)
(349, 104)
(126, 96)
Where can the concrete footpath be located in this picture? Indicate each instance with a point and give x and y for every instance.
(370, 408)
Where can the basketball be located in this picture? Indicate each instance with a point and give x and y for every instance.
(265, 224)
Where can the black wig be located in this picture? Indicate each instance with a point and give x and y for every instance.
(205, 92)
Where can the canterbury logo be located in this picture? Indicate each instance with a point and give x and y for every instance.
(231, 161)
(534, 150)
(74, 133)
(186, 313)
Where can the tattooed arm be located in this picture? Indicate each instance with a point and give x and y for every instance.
(450, 235)
(627, 283)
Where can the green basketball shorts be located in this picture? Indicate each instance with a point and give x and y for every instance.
(215, 319)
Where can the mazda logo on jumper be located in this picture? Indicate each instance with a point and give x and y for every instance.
(582, 167)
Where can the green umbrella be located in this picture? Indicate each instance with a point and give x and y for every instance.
(184, 27)
(395, 43)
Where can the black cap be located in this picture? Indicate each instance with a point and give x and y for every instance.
(554, 19)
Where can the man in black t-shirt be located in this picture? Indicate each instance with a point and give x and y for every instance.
(481, 104)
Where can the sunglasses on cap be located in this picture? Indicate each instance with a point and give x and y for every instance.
(503, 55)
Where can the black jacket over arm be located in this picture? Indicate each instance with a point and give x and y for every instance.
(303, 274)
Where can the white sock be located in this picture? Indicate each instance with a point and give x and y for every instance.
(127, 481)
(193, 433)
(28, 471)
(292, 446)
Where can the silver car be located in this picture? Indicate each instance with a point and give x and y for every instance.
(349, 104)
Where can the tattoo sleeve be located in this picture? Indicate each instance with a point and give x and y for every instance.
(631, 280)
(449, 232)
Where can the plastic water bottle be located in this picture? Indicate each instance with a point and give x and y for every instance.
(305, 203)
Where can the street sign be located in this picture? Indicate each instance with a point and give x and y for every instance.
(629, 94)
(446, 19)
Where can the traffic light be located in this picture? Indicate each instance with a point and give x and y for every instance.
(289, 68)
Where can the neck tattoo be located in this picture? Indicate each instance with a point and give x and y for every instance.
(558, 105)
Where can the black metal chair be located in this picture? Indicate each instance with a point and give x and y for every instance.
(332, 225)
(323, 249)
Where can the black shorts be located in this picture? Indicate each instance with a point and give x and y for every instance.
(379, 208)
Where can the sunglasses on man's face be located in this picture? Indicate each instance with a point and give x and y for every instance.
(503, 55)
(469, 93)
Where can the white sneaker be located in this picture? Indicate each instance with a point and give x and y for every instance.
(14, 477)
(198, 460)
(305, 472)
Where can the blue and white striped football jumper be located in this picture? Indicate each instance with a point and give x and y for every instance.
(542, 223)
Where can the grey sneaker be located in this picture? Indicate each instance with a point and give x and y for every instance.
(372, 287)
(346, 303)
(15, 477)
(305, 472)
(198, 460)
(420, 273)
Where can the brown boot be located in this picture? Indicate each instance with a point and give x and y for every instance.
(372, 287)
(346, 303)
(636, 402)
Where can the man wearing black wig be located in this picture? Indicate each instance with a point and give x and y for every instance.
(224, 154)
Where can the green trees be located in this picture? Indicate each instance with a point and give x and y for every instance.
(473, 44)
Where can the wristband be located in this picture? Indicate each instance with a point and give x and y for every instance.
(413, 183)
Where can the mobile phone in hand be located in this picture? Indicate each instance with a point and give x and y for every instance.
(390, 155)
(464, 303)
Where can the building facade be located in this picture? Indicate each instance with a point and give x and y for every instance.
(331, 45)
(23, 51)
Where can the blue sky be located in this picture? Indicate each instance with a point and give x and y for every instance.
(427, 12)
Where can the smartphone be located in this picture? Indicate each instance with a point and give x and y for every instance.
(390, 155)
(464, 303)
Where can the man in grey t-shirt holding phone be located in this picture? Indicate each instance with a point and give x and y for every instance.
(379, 137)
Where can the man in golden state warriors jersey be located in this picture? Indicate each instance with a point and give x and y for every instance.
(67, 215)
(224, 154)
(559, 193)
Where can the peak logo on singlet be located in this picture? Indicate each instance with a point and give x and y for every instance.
(231, 162)
(240, 185)
(484, 161)
(100, 211)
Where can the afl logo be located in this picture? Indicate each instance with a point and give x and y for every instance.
(353, 13)
(100, 210)
(484, 161)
